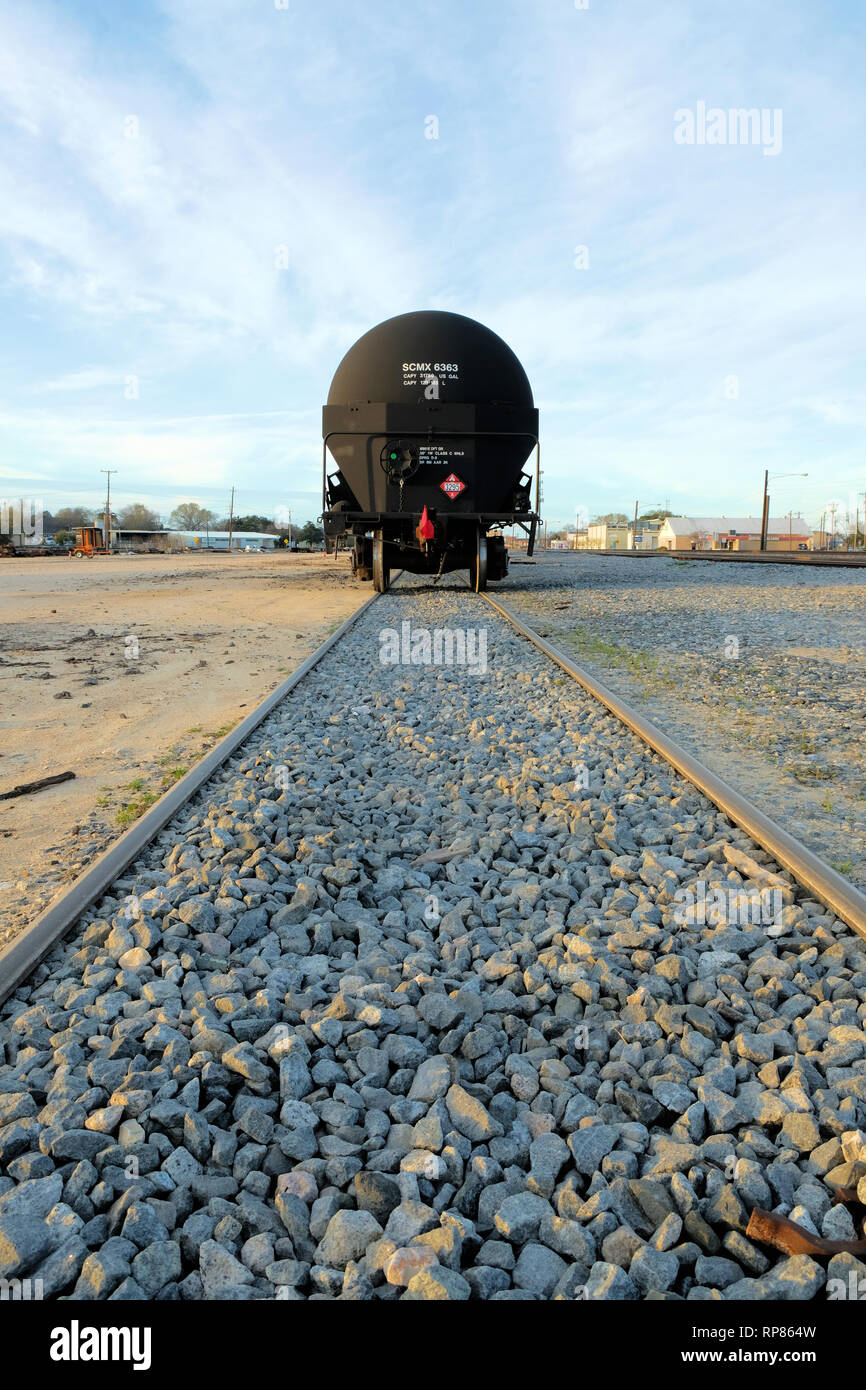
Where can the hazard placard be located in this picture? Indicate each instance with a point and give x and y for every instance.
(452, 486)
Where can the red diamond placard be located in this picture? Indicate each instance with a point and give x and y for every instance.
(452, 486)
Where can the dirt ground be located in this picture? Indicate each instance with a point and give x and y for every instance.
(125, 670)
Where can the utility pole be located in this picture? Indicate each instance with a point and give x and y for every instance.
(765, 512)
(231, 519)
(106, 539)
(790, 524)
(634, 529)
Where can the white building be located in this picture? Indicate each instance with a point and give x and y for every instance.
(219, 540)
(732, 533)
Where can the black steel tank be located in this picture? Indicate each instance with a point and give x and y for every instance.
(430, 421)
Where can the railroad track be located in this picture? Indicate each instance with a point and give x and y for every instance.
(439, 979)
(840, 559)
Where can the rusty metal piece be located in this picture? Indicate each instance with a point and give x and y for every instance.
(792, 1239)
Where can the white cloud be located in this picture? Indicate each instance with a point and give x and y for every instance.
(87, 379)
(258, 128)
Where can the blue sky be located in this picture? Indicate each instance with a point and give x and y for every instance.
(155, 153)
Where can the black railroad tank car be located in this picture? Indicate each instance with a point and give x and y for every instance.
(431, 422)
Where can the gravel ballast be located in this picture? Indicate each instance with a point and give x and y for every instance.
(420, 999)
(759, 670)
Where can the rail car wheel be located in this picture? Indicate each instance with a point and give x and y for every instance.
(478, 567)
(381, 571)
(362, 558)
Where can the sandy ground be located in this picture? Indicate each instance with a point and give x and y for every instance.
(125, 670)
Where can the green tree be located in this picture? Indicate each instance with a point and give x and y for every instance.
(311, 534)
(189, 516)
(612, 519)
(250, 523)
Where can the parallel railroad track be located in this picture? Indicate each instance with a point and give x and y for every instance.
(499, 933)
(21, 956)
(839, 559)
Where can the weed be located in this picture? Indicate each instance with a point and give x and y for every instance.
(131, 810)
(642, 665)
(810, 772)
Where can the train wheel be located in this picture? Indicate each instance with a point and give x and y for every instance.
(381, 571)
(362, 558)
(478, 568)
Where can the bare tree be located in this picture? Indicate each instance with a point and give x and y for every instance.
(189, 516)
(138, 517)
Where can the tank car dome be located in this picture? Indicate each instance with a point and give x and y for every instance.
(394, 362)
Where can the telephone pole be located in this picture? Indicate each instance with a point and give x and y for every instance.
(231, 519)
(106, 539)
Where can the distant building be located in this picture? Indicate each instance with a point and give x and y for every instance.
(194, 540)
(602, 535)
(645, 536)
(732, 533)
(219, 540)
(827, 540)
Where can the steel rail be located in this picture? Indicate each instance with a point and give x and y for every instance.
(21, 956)
(24, 953)
(834, 559)
(829, 887)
